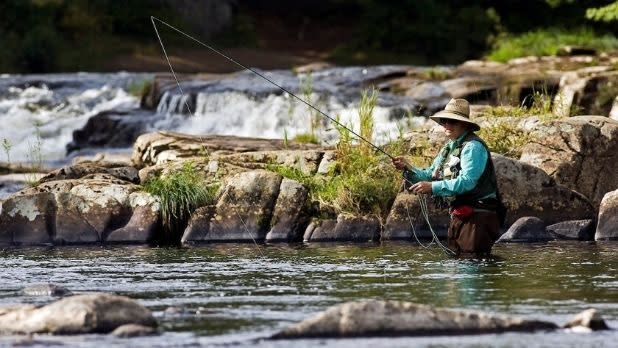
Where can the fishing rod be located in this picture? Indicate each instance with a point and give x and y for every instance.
(153, 19)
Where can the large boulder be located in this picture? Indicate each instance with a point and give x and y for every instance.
(406, 220)
(529, 191)
(92, 313)
(580, 153)
(243, 211)
(159, 147)
(28, 219)
(393, 318)
(79, 211)
(289, 214)
(527, 229)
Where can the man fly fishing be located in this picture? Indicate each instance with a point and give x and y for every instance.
(463, 174)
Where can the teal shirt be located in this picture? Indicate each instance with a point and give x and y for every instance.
(473, 160)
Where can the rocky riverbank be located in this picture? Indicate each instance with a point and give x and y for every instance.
(564, 177)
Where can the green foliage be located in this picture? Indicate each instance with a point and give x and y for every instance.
(607, 13)
(140, 88)
(369, 98)
(544, 42)
(361, 182)
(504, 138)
(306, 138)
(180, 192)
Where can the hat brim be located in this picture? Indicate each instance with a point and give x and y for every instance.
(453, 116)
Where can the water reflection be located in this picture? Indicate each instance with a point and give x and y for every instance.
(231, 292)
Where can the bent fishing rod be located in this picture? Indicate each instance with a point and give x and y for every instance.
(153, 19)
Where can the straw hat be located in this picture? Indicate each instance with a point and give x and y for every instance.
(456, 109)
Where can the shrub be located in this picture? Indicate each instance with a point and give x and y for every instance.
(545, 42)
(504, 138)
(181, 192)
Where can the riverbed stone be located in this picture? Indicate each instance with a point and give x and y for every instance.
(144, 224)
(28, 219)
(346, 228)
(289, 214)
(573, 230)
(607, 228)
(133, 330)
(91, 313)
(395, 318)
(529, 229)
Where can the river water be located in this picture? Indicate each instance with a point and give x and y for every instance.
(238, 295)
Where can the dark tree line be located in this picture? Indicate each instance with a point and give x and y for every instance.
(52, 35)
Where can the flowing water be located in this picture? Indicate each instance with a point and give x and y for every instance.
(238, 295)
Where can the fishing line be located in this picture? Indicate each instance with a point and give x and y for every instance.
(153, 19)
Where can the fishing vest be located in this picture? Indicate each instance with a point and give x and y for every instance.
(450, 167)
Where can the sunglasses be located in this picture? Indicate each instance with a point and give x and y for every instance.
(444, 121)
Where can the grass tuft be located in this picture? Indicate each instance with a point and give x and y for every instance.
(181, 192)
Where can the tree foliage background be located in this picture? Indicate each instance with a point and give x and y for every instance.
(69, 35)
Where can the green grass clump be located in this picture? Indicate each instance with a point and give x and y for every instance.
(306, 138)
(544, 42)
(362, 181)
(140, 88)
(180, 192)
(505, 139)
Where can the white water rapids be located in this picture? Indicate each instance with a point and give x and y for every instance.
(39, 113)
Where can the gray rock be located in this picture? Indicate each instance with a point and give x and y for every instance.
(27, 219)
(406, 214)
(590, 318)
(573, 230)
(607, 228)
(287, 221)
(242, 213)
(78, 171)
(144, 223)
(526, 230)
(393, 318)
(345, 229)
(198, 226)
(92, 313)
(134, 330)
(46, 290)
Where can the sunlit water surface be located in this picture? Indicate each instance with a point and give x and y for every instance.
(238, 295)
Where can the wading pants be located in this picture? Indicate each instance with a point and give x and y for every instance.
(475, 234)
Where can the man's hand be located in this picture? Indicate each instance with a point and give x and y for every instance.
(401, 163)
(421, 187)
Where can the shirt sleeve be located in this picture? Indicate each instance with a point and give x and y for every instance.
(415, 175)
(473, 161)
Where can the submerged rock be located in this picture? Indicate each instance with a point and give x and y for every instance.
(394, 318)
(134, 330)
(527, 229)
(590, 319)
(92, 313)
